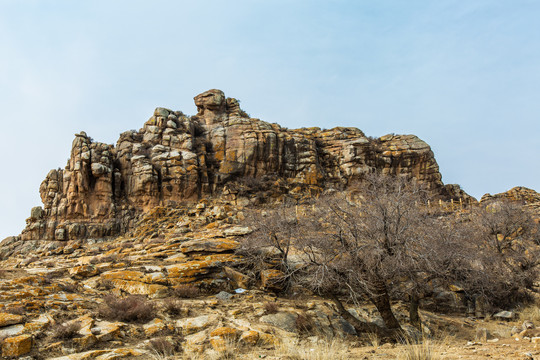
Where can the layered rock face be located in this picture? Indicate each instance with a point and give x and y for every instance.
(175, 158)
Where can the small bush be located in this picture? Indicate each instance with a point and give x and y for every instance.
(243, 114)
(186, 291)
(304, 323)
(66, 331)
(69, 288)
(161, 347)
(271, 307)
(106, 284)
(134, 308)
(173, 307)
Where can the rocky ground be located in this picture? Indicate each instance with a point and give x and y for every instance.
(169, 287)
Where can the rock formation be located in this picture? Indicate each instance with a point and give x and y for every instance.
(528, 197)
(175, 158)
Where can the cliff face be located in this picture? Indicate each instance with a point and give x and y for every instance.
(175, 158)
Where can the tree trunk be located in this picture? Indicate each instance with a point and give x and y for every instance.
(381, 300)
(360, 326)
(414, 317)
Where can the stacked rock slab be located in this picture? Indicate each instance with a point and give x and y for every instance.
(174, 158)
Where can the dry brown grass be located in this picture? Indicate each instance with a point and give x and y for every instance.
(424, 349)
(161, 348)
(530, 313)
(333, 349)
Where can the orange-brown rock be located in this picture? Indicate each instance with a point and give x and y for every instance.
(83, 271)
(250, 337)
(10, 319)
(272, 279)
(226, 333)
(16, 346)
(104, 188)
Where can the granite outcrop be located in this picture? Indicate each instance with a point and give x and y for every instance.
(175, 158)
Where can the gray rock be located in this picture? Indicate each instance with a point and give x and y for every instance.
(12, 330)
(505, 315)
(161, 112)
(223, 295)
(342, 326)
(282, 320)
(36, 213)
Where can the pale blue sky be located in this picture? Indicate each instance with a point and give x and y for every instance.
(462, 75)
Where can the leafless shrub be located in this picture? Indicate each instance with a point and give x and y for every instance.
(173, 307)
(186, 291)
(271, 307)
(69, 287)
(133, 308)
(66, 331)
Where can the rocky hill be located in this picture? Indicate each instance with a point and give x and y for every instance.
(135, 251)
(173, 158)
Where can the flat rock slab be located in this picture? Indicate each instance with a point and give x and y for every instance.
(282, 320)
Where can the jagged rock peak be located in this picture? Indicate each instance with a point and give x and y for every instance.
(173, 158)
(213, 106)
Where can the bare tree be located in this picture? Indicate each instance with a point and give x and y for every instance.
(371, 243)
(271, 243)
(507, 250)
(380, 241)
